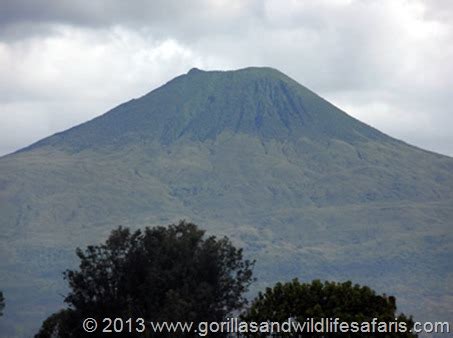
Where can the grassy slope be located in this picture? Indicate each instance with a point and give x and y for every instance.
(351, 220)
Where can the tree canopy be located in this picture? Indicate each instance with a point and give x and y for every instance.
(160, 274)
(348, 302)
(178, 274)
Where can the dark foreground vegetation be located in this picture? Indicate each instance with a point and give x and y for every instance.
(176, 273)
(329, 300)
(2, 303)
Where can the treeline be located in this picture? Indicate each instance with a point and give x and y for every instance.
(177, 273)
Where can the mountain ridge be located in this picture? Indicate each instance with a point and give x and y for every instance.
(286, 110)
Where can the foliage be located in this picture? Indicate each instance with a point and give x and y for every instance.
(162, 274)
(64, 323)
(317, 300)
(2, 303)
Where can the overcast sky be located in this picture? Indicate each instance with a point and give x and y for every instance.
(386, 62)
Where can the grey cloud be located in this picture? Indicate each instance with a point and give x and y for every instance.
(95, 13)
(182, 18)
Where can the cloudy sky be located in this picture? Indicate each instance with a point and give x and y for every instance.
(386, 62)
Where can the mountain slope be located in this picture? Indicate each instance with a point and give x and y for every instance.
(306, 189)
(201, 105)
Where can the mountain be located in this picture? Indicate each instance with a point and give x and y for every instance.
(307, 190)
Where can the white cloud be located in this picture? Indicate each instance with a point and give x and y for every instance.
(51, 83)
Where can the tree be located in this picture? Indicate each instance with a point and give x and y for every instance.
(64, 323)
(172, 273)
(2, 303)
(317, 300)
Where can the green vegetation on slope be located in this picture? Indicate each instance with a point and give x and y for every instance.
(307, 190)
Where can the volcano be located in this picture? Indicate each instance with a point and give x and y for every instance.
(307, 190)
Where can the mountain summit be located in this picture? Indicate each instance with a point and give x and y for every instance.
(307, 190)
(200, 105)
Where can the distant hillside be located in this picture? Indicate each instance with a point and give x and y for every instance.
(307, 190)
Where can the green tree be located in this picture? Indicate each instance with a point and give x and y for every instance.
(172, 273)
(317, 300)
(2, 303)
